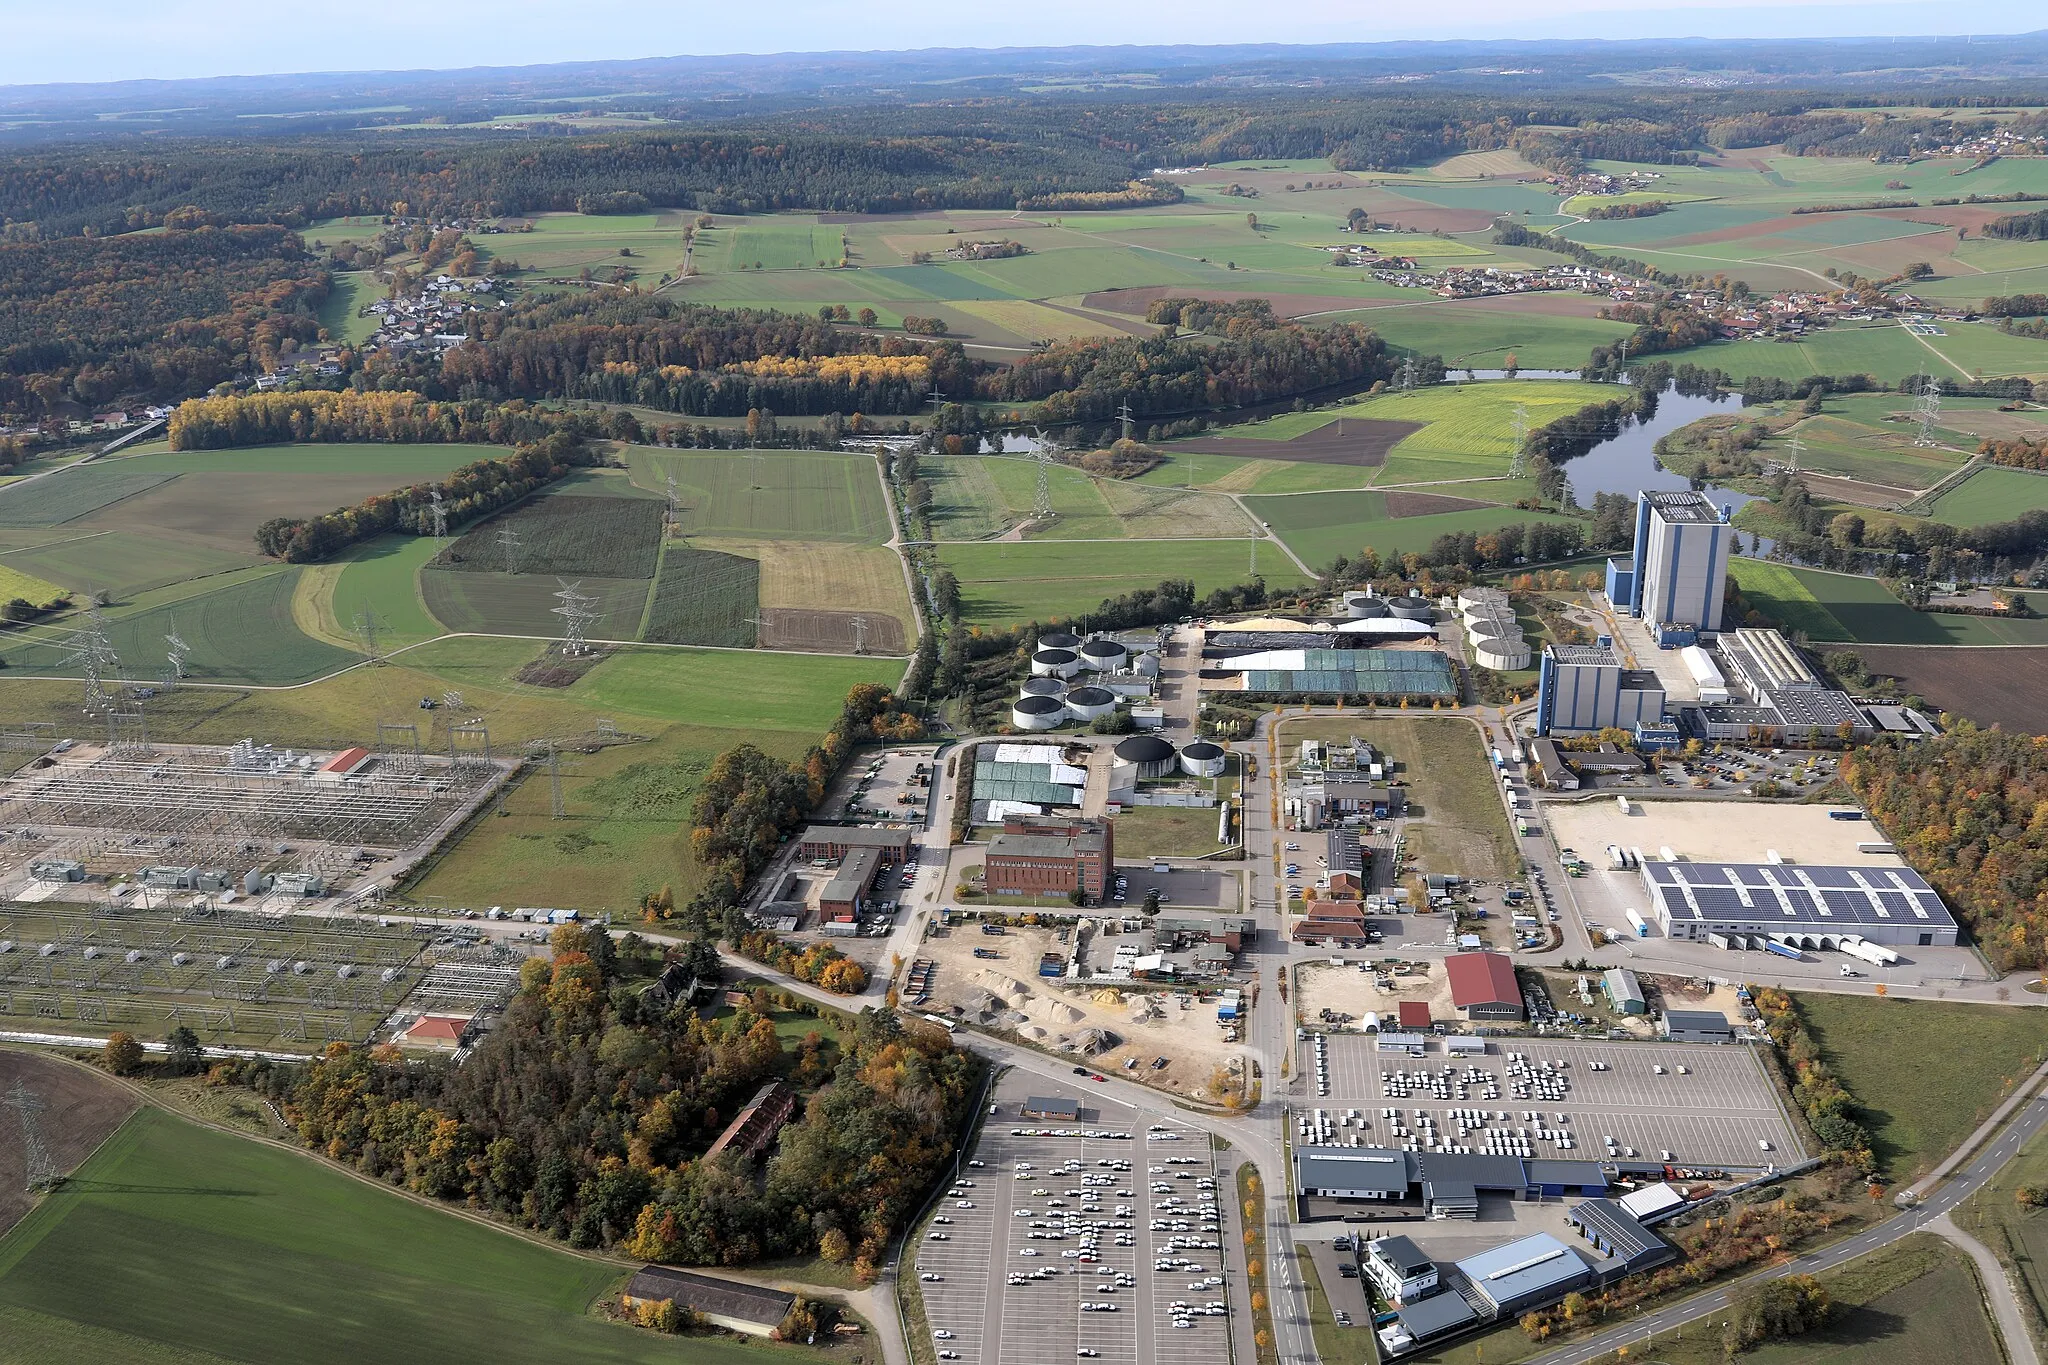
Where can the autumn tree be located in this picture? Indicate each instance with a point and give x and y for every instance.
(123, 1054)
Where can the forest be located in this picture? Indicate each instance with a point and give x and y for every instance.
(2020, 227)
(166, 314)
(585, 1113)
(1969, 809)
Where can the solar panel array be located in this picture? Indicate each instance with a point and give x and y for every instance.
(1785, 896)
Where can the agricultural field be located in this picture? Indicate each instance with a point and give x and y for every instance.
(703, 597)
(1851, 609)
(1008, 583)
(776, 494)
(2006, 687)
(81, 1108)
(268, 1240)
(978, 497)
(1991, 494)
(1971, 1057)
(559, 247)
(1321, 527)
(561, 533)
(342, 313)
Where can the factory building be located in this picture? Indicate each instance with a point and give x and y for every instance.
(1417, 673)
(1524, 1273)
(1747, 905)
(833, 842)
(1680, 566)
(1040, 856)
(1585, 688)
(1483, 985)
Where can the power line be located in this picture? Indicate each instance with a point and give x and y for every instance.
(366, 630)
(1518, 464)
(1928, 410)
(860, 634)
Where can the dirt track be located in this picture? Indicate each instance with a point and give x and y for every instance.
(1353, 441)
(79, 1110)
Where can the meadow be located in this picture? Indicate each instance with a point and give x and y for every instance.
(782, 494)
(1849, 609)
(270, 1242)
(1992, 494)
(1322, 526)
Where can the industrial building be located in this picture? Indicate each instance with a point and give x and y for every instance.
(1027, 778)
(1425, 1320)
(1483, 985)
(1376, 1173)
(1619, 1235)
(845, 896)
(1389, 673)
(1050, 856)
(1697, 1026)
(1585, 688)
(1746, 905)
(1624, 992)
(1676, 578)
(1525, 1273)
(1317, 800)
(830, 843)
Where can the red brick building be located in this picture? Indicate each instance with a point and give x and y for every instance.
(1038, 855)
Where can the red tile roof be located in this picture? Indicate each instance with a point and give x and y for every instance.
(1482, 979)
(1414, 1014)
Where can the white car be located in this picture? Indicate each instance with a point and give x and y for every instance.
(1028, 1251)
(941, 1334)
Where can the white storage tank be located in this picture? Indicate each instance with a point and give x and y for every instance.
(1491, 628)
(1103, 654)
(1059, 639)
(1479, 597)
(1088, 703)
(1502, 656)
(1361, 606)
(1043, 687)
(1203, 759)
(1151, 755)
(1055, 663)
(1038, 713)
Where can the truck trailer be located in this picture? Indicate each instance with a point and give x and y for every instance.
(1637, 923)
(1874, 953)
(1773, 946)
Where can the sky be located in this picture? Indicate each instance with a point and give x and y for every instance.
(104, 40)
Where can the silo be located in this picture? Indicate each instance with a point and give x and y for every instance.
(1360, 606)
(1055, 663)
(1038, 713)
(1087, 703)
(1151, 755)
(1202, 759)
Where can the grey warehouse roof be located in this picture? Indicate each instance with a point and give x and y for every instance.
(1515, 1271)
(1839, 898)
(1400, 1253)
(1352, 1168)
(1435, 1315)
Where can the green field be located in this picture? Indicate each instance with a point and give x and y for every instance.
(383, 575)
(704, 597)
(562, 533)
(782, 246)
(66, 496)
(1888, 352)
(782, 494)
(1992, 494)
(241, 633)
(524, 604)
(1967, 1058)
(339, 314)
(1008, 583)
(1471, 335)
(1322, 526)
(1853, 609)
(230, 1250)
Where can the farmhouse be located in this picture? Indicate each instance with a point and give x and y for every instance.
(737, 1307)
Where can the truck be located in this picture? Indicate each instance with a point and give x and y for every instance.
(1638, 923)
(1874, 953)
(1499, 761)
(1773, 946)
(1845, 815)
(1626, 808)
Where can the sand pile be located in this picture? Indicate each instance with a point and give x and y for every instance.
(1109, 997)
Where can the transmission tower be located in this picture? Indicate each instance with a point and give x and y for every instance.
(94, 654)
(41, 1168)
(439, 511)
(366, 625)
(1123, 415)
(508, 538)
(675, 506)
(1518, 464)
(1408, 374)
(578, 611)
(1794, 449)
(175, 653)
(1928, 410)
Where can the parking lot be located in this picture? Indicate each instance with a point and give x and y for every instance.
(1712, 1113)
(1181, 888)
(882, 785)
(1101, 1237)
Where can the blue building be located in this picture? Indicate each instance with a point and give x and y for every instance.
(1680, 566)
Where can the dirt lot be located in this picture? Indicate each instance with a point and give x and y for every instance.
(1141, 1024)
(1351, 990)
(79, 1110)
(1351, 441)
(1716, 831)
(829, 631)
(1426, 504)
(2007, 687)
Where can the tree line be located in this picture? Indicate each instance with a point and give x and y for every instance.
(472, 491)
(2019, 227)
(166, 314)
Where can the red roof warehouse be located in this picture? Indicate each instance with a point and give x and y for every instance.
(1483, 986)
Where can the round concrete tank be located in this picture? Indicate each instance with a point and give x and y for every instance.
(1203, 759)
(1412, 609)
(1087, 703)
(1059, 639)
(1360, 606)
(1038, 713)
(1151, 755)
(1103, 654)
(1055, 663)
(1043, 687)
(1502, 656)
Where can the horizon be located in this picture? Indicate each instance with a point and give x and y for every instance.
(126, 41)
